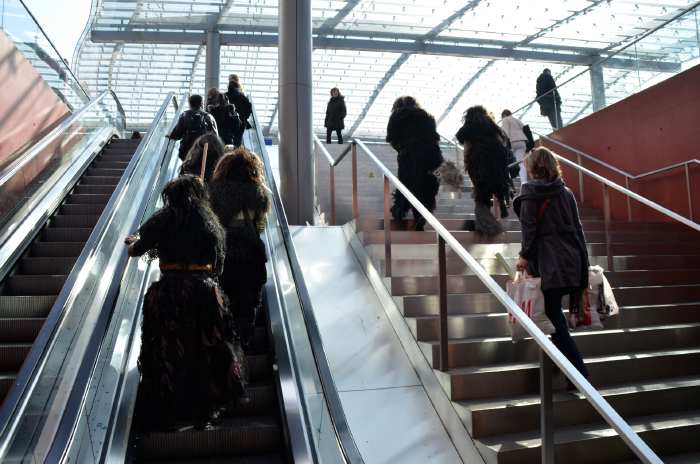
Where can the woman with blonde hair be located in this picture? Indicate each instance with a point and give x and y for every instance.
(553, 244)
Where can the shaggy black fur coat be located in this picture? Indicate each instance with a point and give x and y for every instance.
(242, 209)
(412, 132)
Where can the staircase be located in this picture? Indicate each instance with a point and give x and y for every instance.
(29, 292)
(646, 362)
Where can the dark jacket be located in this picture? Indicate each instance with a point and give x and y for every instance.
(188, 129)
(335, 113)
(545, 83)
(227, 120)
(243, 106)
(485, 160)
(553, 244)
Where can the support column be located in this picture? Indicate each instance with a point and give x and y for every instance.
(213, 65)
(295, 110)
(597, 87)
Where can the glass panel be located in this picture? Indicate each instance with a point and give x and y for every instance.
(20, 26)
(37, 169)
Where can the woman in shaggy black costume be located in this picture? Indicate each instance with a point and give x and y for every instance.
(193, 161)
(191, 362)
(412, 133)
(239, 198)
(485, 155)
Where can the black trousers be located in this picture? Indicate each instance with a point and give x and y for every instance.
(554, 116)
(561, 338)
(329, 132)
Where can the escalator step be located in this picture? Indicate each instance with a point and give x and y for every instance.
(34, 285)
(100, 180)
(56, 249)
(83, 210)
(259, 367)
(234, 436)
(263, 400)
(108, 163)
(103, 189)
(66, 234)
(12, 356)
(20, 330)
(104, 172)
(26, 306)
(63, 220)
(88, 198)
(266, 459)
(7, 379)
(43, 266)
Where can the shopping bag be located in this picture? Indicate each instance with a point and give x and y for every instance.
(582, 315)
(527, 293)
(600, 294)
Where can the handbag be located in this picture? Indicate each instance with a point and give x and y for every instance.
(527, 293)
(530, 142)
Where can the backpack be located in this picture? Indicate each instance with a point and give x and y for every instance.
(198, 124)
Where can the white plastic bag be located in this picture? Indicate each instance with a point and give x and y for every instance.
(526, 291)
(582, 315)
(600, 294)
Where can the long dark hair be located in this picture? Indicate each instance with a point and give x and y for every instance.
(480, 122)
(193, 160)
(404, 102)
(184, 195)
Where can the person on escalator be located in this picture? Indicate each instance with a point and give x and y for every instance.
(239, 198)
(191, 361)
(192, 124)
(553, 244)
(335, 116)
(411, 131)
(243, 106)
(227, 120)
(485, 159)
(193, 161)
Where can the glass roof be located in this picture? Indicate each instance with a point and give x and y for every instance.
(449, 54)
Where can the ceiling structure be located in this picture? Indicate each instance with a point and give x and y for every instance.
(449, 54)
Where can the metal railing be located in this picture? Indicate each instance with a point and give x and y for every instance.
(549, 354)
(628, 177)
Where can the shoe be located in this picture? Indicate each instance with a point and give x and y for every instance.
(504, 210)
(420, 225)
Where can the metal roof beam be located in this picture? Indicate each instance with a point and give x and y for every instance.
(332, 23)
(429, 48)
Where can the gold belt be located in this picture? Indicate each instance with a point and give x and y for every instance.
(186, 268)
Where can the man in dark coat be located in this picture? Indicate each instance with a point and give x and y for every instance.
(224, 113)
(549, 99)
(335, 115)
(192, 124)
(412, 132)
(243, 106)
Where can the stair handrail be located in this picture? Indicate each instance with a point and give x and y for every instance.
(549, 354)
(602, 60)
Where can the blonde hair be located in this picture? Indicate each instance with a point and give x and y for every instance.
(542, 164)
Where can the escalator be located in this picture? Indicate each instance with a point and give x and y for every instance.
(31, 289)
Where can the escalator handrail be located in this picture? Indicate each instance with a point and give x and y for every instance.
(341, 428)
(33, 151)
(74, 408)
(16, 399)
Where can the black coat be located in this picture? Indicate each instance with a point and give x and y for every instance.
(243, 106)
(485, 159)
(552, 236)
(191, 125)
(545, 83)
(335, 113)
(227, 121)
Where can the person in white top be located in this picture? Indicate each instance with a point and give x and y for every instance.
(514, 130)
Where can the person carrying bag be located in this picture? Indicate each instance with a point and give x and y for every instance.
(526, 292)
(553, 244)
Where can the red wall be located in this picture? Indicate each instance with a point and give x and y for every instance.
(28, 106)
(650, 130)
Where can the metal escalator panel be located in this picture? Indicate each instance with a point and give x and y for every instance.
(52, 300)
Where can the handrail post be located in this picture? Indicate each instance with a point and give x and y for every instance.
(387, 226)
(629, 200)
(607, 218)
(355, 199)
(580, 178)
(546, 409)
(690, 195)
(332, 187)
(442, 279)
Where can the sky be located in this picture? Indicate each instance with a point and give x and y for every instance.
(61, 24)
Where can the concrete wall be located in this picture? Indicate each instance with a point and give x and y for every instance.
(650, 130)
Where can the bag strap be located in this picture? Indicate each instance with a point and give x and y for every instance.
(543, 208)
